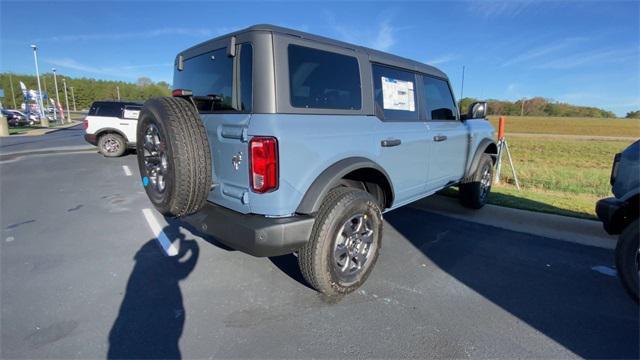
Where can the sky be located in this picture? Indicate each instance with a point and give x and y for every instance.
(580, 52)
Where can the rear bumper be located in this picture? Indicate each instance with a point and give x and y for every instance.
(91, 139)
(611, 212)
(256, 235)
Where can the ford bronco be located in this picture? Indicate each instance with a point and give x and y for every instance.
(277, 141)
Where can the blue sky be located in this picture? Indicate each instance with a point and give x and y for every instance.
(582, 52)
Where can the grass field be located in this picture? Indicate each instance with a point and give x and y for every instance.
(561, 176)
(570, 126)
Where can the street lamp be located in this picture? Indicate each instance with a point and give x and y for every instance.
(73, 99)
(66, 98)
(43, 119)
(55, 107)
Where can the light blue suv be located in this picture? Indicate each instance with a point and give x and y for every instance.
(277, 141)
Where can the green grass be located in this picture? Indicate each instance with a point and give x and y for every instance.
(17, 130)
(570, 126)
(558, 176)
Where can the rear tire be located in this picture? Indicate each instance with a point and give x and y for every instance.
(627, 258)
(174, 157)
(344, 244)
(112, 145)
(475, 191)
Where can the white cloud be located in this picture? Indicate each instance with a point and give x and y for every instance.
(442, 59)
(495, 9)
(130, 71)
(144, 34)
(541, 51)
(381, 37)
(611, 56)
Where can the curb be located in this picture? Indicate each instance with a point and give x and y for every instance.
(565, 228)
(44, 131)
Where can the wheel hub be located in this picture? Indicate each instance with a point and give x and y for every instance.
(353, 247)
(156, 164)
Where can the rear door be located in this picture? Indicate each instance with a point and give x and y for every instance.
(404, 147)
(222, 91)
(448, 136)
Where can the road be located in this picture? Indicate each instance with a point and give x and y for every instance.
(83, 276)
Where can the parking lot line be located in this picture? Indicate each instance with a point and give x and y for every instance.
(155, 227)
(126, 169)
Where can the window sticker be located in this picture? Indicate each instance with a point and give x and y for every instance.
(397, 94)
(131, 114)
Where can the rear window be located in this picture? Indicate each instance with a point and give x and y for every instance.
(395, 94)
(323, 80)
(210, 77)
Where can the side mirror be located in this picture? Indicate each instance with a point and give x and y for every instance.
(477, 110)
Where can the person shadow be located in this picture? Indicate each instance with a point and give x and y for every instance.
(152, 315)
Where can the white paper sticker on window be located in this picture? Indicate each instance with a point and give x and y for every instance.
(397, 94)
(131, 114)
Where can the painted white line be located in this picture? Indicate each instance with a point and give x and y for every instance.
(605, 270)
(155, 227)
(126, 169)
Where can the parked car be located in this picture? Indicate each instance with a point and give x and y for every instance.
(619, 215)
(14, 119)
(303, 150)
(33, 118)
(111, 126)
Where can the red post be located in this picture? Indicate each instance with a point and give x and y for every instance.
(501, 122)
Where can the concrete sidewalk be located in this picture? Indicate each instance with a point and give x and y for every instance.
(580, 231)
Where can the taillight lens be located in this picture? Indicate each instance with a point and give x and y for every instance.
(85, 124)
(264, 164)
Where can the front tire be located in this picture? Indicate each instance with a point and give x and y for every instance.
(112, 145)
(344, 244)
(628, 259)
(474, 192)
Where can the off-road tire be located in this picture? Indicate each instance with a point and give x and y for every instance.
(316, 257)
(627, 259)
(471, 193)
(105, 138)
(188, 179)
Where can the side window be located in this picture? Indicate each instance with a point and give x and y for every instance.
(210, 76)
(110, 110)
(323, 80)
(131, 112)
(439, 102)
(394, 94)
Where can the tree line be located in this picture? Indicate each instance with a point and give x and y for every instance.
(85, 90)
(539, 106)
(88, 90)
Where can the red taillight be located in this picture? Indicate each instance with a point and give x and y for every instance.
(263, 152)
(85, 124)
(181, 92)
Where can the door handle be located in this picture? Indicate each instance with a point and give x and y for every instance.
(440, 138)
(390, 142)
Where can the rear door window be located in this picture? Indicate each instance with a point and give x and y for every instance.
(323, 80)
(109, 109)
(394, 93)
(210, 76)
(439, 103)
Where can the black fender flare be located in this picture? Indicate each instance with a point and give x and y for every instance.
(111, 130)
(481, 149)
(331, 178)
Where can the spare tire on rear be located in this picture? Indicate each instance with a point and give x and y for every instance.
(173, 156)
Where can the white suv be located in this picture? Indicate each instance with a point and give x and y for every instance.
(111, 126)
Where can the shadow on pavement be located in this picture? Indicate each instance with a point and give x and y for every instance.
(545, 283)
(152, 314)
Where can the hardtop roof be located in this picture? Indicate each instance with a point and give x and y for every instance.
(374, 55)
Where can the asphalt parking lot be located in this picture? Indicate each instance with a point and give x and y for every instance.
(84, 276)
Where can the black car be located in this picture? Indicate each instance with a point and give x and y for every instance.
(14, 119)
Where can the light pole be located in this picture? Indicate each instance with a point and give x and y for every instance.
(118, 91)
(13, 95)
(73, 99)
(55, 106)
(66, 98)
(43, 119)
